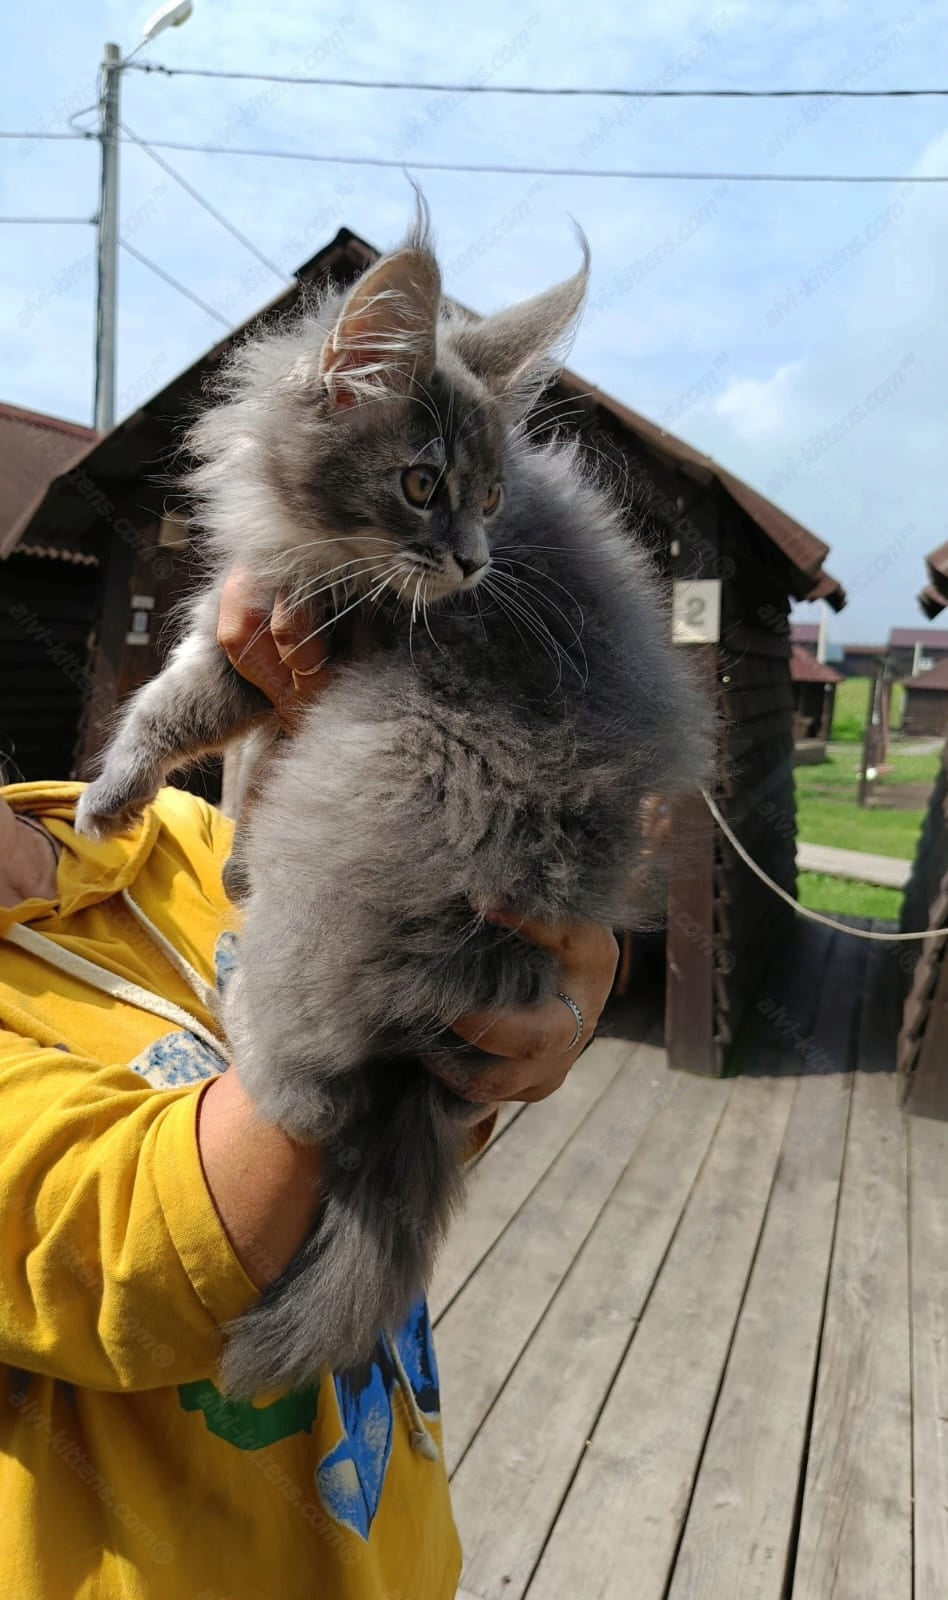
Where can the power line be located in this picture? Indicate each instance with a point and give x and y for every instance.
(206, 204)
(408, 163)
(166, 276)
(87, 222)
(607, 92)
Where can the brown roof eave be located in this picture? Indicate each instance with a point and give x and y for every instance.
(932, 601)
(829, 589)
(934, 597)
(803, 550)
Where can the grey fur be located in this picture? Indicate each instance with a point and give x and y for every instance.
(491, 749)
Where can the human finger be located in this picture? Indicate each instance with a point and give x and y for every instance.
(243, 633)
(587, 955)
(303, 647)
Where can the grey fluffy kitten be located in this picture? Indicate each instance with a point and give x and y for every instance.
(491, 750)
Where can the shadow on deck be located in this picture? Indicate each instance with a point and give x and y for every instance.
(693, 1333)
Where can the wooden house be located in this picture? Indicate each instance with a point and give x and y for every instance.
(914, 650)
(925, 712)
(862, 660)
(732, 560)
(49, 584)
(814, 694)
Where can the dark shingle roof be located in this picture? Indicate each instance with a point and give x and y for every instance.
(936, 679)
(34, 449)
(908, 638)
(805, 668)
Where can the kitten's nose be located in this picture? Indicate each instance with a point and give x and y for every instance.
(470, 564)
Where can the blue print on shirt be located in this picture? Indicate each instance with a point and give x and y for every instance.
(175, 1059)
(180, 1058)
(351, 1478)
(225, 959)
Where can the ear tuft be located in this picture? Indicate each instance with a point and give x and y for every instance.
(521, 346)
(384, 336)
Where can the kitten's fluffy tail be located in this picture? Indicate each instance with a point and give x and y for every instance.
(393, 1179)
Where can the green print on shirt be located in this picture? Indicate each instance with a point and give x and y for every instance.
(244, 1425)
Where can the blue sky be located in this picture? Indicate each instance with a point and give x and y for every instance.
(795, 332)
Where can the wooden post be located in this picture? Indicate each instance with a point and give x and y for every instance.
(689, 941)
(925, 1091)
(871, 742)
(689, 993)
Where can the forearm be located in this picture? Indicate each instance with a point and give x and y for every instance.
(264, 1186)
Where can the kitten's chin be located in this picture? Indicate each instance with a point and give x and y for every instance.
(441, 586)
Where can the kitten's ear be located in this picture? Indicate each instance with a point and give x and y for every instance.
(384, 336)
(505, 349)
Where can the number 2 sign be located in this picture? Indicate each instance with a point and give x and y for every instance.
(696, 611)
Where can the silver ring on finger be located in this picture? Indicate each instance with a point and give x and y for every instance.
(577, 1018)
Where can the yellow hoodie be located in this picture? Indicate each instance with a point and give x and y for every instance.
(124, 1474)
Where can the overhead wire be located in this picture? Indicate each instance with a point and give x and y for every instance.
(405, 163)
(175, 283)
(201, 200)
(409, 163)
(152, 146)
(598, 91)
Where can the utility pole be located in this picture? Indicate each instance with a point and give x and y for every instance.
(107, 242)
(169, 15)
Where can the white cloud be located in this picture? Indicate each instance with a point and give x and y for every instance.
(758, 406)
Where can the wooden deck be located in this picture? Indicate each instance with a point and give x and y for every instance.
(693, 1334)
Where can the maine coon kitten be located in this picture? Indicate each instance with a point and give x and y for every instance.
(492, 750)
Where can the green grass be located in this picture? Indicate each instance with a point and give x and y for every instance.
(849, 710)
(851, 705)
(827, 813)
(843, 824)
(838, 897)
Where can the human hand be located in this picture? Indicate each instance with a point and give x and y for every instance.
(276, 650)
(532, 1043)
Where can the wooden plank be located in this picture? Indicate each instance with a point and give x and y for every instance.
(741, 1524)
(483, 1333)
(856, 1525)
(507, 1113)
(928, 1226)
(624, 1511)
(509, 1170)
(507, 1490)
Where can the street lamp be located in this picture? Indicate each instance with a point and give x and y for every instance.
(167, 16)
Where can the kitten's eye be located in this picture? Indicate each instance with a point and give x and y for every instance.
(494, 496)
(418, 484)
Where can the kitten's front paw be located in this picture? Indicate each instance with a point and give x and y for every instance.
(105, 809)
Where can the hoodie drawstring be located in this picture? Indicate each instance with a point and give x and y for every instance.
(421, 1440)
